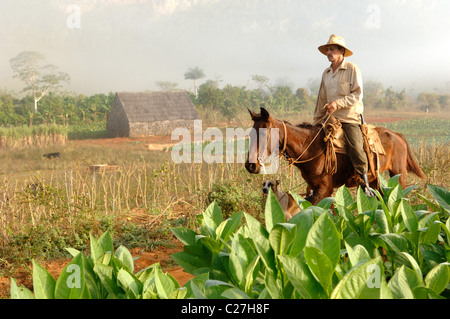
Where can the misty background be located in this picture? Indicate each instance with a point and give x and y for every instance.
(129, 45)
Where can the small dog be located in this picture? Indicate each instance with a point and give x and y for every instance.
(52, 155)
(287, 202)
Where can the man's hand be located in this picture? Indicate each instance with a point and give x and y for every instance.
(331, 107)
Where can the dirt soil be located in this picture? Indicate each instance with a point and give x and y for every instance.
(151, 143)
(145, 259)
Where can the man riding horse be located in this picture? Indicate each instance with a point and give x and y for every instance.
(341, 94)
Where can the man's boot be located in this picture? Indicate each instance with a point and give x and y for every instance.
(366, 187)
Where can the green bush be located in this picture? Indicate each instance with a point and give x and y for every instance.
(232, 198)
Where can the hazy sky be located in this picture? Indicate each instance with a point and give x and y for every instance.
(129, 45)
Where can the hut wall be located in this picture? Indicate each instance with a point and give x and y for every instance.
(139, 129)
(117, 123)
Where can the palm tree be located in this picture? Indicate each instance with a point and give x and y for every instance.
(194, 74)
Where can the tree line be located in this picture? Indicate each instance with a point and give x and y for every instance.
(54, 108)
(213, 103)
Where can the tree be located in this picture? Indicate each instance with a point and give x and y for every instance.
(194, 74)
(313, 86)
(262, 82)
(167, 86)
(39, 79)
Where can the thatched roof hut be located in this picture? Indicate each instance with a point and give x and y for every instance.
(150, 113)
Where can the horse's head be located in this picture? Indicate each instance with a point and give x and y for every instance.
(262, 138)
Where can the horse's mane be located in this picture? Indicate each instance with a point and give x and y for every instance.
(305, 125)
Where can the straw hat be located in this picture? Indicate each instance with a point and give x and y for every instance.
(334, 39)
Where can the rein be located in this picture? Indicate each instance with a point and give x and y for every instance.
(297, 160)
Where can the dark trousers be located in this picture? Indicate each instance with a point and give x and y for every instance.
(355, 149)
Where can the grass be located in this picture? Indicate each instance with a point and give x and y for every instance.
(96, 130)
(420, 130)
(47, 205)
(38, 135)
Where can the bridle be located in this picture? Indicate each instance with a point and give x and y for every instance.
(297, 160)
(283, 150)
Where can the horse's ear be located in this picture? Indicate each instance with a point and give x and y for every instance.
(252, 114)
(264, 114)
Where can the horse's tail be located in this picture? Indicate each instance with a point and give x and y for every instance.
(411, 164)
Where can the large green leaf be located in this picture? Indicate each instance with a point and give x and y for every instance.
(228, 227)
(191, 263)
(186, 236)
(362, 201)
(414, 265)
(363, 223)
(343, 197)
(124, 255)
(235, 293)
(250, 276)
(71, 283)
(212, 218)
(438, 278)
(130, 284)
(403, 282)
(21, 292)
(240, 256)
(304, 222)
(108, 280)
(100, 246)
(196, 287)
(215, 289)
(396, 242)
(324, 236)
(43, 282)
(441, 195)
(431, 233)
(326, 203)
(301, 202)
(272, 284)
(357, 254)
(429, 203)
(349, 218)
(365, 281)
(301, 278)
(260, 239)
(409, 216)
(382, 221)
(273, 212)
(395, 197)
(281, 237)
(165, 286)
(320, 266)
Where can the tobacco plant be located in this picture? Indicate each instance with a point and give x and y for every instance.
(102, 274)
(345, 247)
(342, 248)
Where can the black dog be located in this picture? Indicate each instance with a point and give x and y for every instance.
(52, 155)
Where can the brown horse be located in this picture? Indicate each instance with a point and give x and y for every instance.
(307, 142)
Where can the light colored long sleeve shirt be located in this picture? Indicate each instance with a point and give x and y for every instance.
(345, 87)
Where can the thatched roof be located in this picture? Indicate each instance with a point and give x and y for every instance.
(157, 106)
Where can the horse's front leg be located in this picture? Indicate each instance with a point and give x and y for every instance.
(321, 191)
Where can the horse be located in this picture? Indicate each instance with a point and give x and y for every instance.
(305, 144)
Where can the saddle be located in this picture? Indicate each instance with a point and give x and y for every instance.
(334, 137)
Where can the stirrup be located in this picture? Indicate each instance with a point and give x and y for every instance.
(366, 187)
(369, 192)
